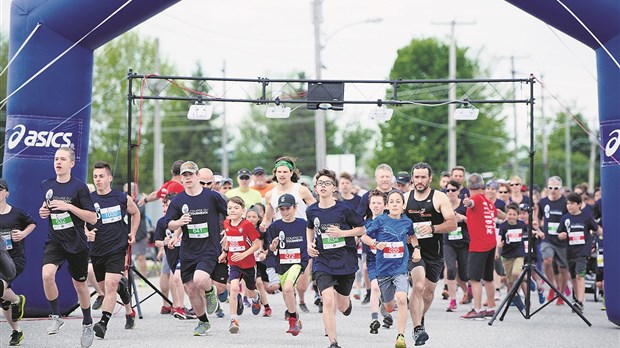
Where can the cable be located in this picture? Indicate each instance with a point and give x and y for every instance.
(571, 51)
(21, 48)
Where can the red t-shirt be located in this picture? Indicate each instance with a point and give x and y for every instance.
(239, 239)
(168, 187)
(481, 224)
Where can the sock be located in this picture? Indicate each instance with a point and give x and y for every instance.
(105, 317)
(368, 292)
(87, 319)
(419, 327)
(54, 306)
(374, 316)
(445, 286)
(293, 315)
(267, 306)
(203, 318)
(210, 291)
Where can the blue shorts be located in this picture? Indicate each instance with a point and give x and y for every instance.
(247, 274)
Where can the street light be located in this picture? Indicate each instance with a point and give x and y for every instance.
(319, 115)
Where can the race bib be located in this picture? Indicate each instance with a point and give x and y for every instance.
(236, 244)
(552, 228)
(599, 258)
(290, 256)
(198, 230)
(359, 248)
(332, 243)
(526, 245)
(514, 235)
(456, 235)
(61, 221)
(373, 249)
(257, 255)
(415, 229)
(394, 250)
(111, 214)
(8, 241)
(576, 238)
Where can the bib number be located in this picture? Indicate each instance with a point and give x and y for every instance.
(456, 235)
(111, 214)
(61, 221)
(6, 238)
(514, 236)
(236, 244)
(599, 258)
(290, 256)
(552, 228)
(576, 238)
(418, 224)
(332, 243)
(198, 230)
(394, 250)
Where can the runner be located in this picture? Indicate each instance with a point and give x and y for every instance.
(332, 226)
(67, 205)
(194, 214)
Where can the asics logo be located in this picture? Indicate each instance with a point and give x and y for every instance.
(613, 144)
(38, 138)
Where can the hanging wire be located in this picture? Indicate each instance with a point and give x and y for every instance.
(21, 48)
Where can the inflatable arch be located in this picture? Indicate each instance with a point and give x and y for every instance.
(51, 110)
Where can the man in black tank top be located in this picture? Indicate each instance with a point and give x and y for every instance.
(432, 216)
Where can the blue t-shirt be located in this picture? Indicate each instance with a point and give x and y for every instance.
(394, 258)
(459, 237)
(16, 219)
(201, 237)
(66, 228)
(552, 211)
(500, 205)
(354, 202)
(513, 237)
(112, 232)
(293, 248)
(161, 232)
(579, 229)
(371, 251)
(337, 256)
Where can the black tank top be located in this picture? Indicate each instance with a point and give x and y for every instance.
(424, 210)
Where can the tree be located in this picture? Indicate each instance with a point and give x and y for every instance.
(357, 140)
(262, 140)
(419, 133)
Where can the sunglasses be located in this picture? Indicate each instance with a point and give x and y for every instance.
(518, 184)
(205, 183)
(502, 191)
(553, 188)
(451, 190)
(244, 177)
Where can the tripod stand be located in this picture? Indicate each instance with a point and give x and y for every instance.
(529, 267)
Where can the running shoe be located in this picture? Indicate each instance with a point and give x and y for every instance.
(98, 302)
(452, 306)
(541, 296)
(256, 306)
(320, 306)
(17, 309)
(179, 313)
(303, 307)
(223, 296)
(334, 345)
(100, 330)
(579, 306)
(88, 335)
(286, 315)
(567, 291)
(445, 295)
(357, 296)
(294, 326)
(400, 342)
(551, 295)
(130, 320)
(374, 327)
(559, 302)
(267, 312)
(190, 314)
(219, 313)
(498, 295)
(347, 312)
(473, 315)
(366, 299)
(211, 297)
(55, 325)
(388, 321)
(518, 302)
(419, 336)
(202, 328)
(123, 290)
(246, 302)
(234, 326)
(239, 304)
(488, 313)
(466, 299)
(166, 310)
(16, 338)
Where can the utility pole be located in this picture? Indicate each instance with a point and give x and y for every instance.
(319, 115)
(158, 153)
(543, 127)
(515, 160)
(452, 91)
(224, 128)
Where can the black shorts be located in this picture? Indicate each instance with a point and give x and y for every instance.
(432, 267)
(247, 274)
(341, 283)
(220, 273)
(55, 254)
(480, 265)
(599, 274)
(578, 266)
(188, 267)
(20, 264)
(261, 272)
(110, 263)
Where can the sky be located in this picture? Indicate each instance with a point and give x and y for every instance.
(272, 38)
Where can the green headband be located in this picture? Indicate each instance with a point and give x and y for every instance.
(287, 164)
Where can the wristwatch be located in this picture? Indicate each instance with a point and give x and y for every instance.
(417, 247)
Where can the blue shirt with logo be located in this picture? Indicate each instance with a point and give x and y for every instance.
(579, 229)
(16, 219)
(552, 212)
(337, 256)
(513, 237)
(66, 228)
(112, 231)
(292, 248)
(394, 258)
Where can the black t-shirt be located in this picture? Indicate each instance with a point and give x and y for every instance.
(552, 211)
(161, 232)
(513, 237)
(459, 237)
(293, 247)
(579, 229)
(66, 228)
(354, 202)
(16, 219)
(112, 232)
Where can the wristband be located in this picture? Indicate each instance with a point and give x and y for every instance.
(375, 243)
(432, 228)
(417, 247)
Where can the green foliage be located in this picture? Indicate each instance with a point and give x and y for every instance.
(419, 133)
(357, 140)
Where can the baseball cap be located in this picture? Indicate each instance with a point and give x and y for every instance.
(227, 180)
(218, 179)
(524, 207)
(4, 185)
(258, 171)
(286, 200)
(403, 178)
(524, 188)
(493, 184)
(243, 172)
(189, 166)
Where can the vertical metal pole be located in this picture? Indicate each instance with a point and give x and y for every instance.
(224, 128)
(545, 144)
(530, 240)
(319, 115)
(158, 168)
(567, 154)
(451, 97)
(515, 161)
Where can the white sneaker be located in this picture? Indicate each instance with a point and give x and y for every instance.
(56, 324)
(88, 335)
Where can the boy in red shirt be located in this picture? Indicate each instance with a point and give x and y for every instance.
(242, 240)
(481, 214)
